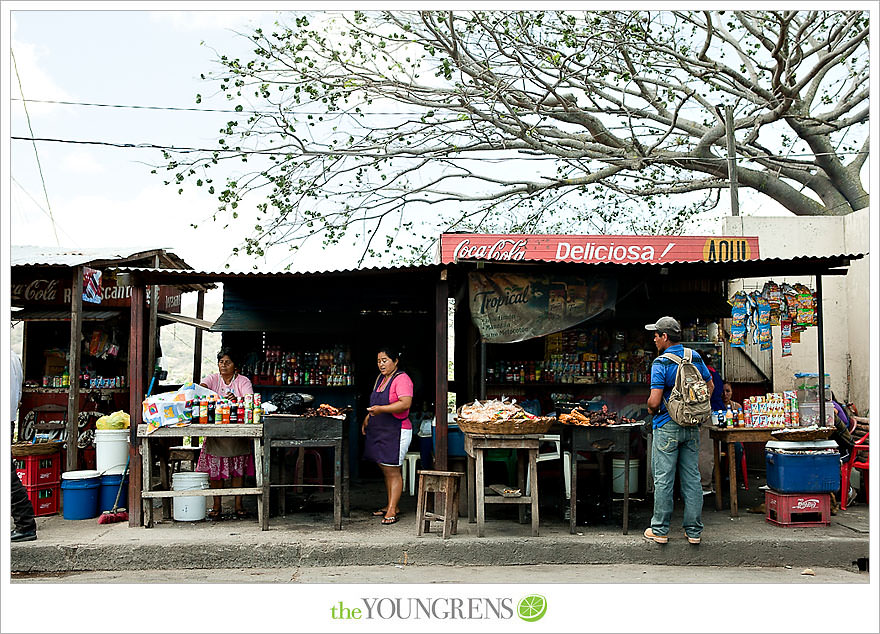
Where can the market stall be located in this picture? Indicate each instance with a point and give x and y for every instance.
(596, 293)
(76, 350)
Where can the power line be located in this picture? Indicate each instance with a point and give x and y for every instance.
(37, 154)
(181, 109)
(186, 149)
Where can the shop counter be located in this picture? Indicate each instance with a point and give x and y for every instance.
(730, 436)
(577, 438)
(476, 445)
(306, 432)
(202, 431)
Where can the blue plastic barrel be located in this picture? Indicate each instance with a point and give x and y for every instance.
(79, 494)
(109, 489)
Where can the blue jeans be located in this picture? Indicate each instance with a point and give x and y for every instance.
(676, 448)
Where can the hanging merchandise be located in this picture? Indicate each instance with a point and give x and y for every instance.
(773, 294)
(739, 314)
(805, 312)
(765, 337)
(786, 337)
(752, 322)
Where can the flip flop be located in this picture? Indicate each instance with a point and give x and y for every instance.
(214, 514)
(242, 514)
(389, 520)
(381, 513)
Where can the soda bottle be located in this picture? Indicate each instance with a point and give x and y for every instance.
(233, 412)
(728, 417)
(209, 415)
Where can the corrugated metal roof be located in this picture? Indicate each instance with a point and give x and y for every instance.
(29, 255)
(62, 315)
(170, 273)
(23, 256)
(799, 265)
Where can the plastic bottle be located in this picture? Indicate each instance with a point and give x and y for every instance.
(728, 417)
(65, 378)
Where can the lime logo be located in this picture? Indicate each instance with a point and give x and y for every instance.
(532, 608)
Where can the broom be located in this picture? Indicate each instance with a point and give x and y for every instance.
(116, 514)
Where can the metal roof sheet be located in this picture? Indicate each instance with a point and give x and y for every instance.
(62, 315)
(746, 268)
(104, 257)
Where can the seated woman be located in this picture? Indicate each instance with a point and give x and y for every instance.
(227, 459)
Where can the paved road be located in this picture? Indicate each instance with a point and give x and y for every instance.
(628, 573)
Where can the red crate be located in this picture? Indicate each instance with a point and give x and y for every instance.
(798, 509)
(39, 470)
(44, 499)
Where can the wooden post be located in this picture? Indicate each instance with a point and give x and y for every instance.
(73, 369)
(154, 309)
(441, 384)
(731, 161)
(820, 335)
(197, 343)
(136, 395)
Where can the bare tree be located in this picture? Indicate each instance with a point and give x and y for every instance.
(395, 125)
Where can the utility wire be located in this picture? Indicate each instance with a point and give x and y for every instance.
(37, 154)
(41, 208)
(186, 149)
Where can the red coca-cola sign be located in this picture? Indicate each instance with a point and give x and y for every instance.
(55, 292)
(618, 249)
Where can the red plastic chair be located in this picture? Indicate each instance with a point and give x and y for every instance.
(847, 467)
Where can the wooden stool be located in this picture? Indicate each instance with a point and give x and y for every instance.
(181, 453)
(446, 482)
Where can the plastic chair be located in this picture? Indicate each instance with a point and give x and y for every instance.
(317, 476)
(508, 457)
(556, 454)
(847, 467)
(745, 472)
(409, 470)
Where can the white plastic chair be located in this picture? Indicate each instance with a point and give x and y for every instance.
(409, 470)
(556, 454)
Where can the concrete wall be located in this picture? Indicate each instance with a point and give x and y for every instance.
(845, 299)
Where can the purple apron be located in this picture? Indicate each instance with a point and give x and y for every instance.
(382, 443)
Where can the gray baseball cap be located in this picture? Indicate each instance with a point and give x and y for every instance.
(665, 324)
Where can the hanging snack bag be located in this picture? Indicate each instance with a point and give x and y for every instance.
(739, 315)
(786, 337)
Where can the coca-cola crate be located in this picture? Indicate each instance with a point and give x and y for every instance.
(798, 509)
(44, 498)
(39, 470)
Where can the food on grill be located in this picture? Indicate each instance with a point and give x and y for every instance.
(603, 418)
(325, 410)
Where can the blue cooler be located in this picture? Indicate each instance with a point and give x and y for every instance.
(455, 439)
(803, 467)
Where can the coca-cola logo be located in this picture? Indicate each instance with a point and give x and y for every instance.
(503, 249)
(811, 503)
(35, 291)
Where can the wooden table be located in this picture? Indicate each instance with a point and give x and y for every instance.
(475, 446)
(730, 436)
(284, 430)
(581, 438)
(203, 431)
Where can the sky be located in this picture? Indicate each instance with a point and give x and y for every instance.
(150, 54)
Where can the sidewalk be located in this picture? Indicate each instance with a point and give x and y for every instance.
(306, 538)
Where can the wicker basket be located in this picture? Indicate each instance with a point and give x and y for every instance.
(823, 433)
(517, 426)
(22, 449)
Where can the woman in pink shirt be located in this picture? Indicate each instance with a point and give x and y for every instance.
(227, 458)
(387, 428)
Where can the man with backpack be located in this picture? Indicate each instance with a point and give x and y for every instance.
(680, 392)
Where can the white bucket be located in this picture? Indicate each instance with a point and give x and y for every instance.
(617, 473)
(189, 508)
(111, 450)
